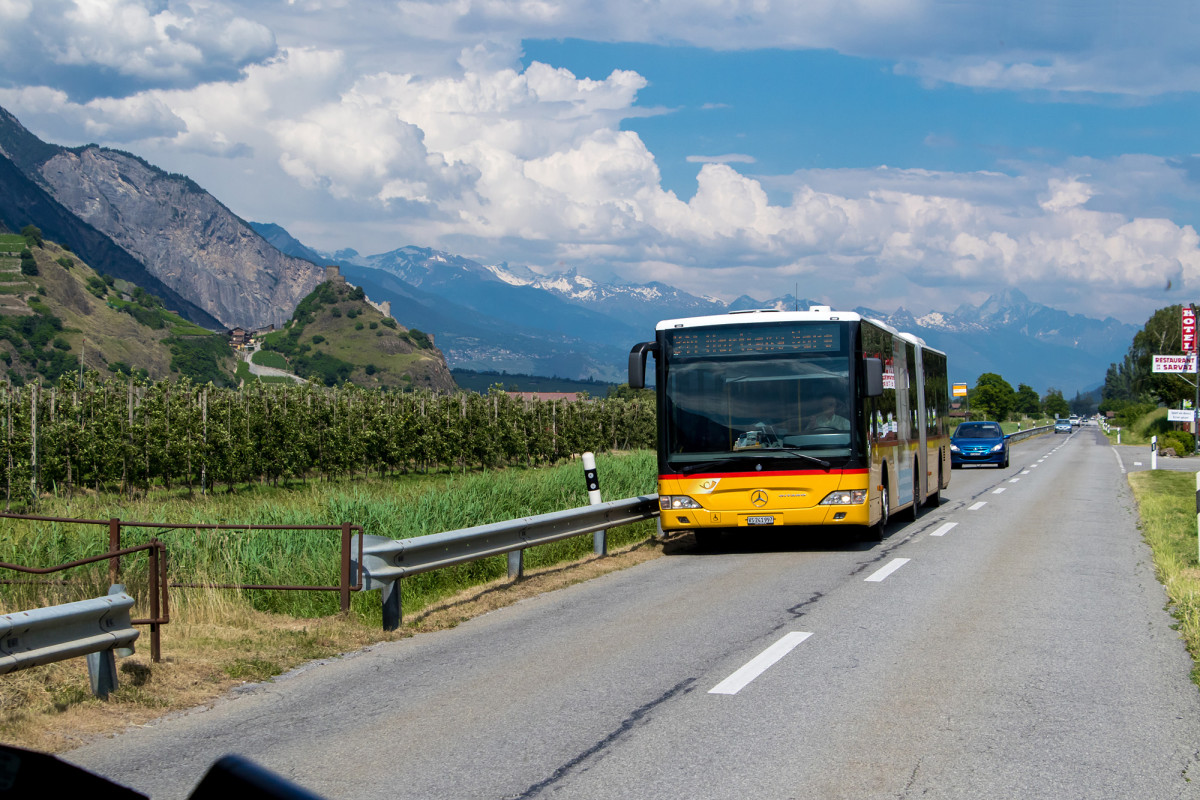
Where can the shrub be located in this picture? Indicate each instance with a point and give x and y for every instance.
(1182, 442)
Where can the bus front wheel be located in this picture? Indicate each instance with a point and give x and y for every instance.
(875, 533)
(706, 538)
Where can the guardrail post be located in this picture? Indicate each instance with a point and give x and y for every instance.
(599, 538)
(102, 672)
(516, 565)
(392, 613)
(114, 544)
(102, 666)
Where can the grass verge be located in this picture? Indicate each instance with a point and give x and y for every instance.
(1166, 505)
(218, 639)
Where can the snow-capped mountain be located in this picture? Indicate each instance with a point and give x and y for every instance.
(508, 317)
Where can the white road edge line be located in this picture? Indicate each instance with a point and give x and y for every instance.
(978, 505)
(759, 664)
(942, 531)
(883, 572)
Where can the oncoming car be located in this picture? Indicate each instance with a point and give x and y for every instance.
(979, 443)
(1062, 426)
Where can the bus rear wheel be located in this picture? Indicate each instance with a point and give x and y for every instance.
(934, 500)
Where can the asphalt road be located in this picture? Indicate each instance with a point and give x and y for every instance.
(1011, 643)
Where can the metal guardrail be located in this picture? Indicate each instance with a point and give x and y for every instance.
(1019, 435)
(156, 552)
(92, 628)
(385, 561)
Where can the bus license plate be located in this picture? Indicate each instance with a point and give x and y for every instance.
(760, 520)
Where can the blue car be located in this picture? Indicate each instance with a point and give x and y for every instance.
(979, 443)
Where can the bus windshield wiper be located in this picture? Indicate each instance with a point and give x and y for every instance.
(757, 455)
(795, 452)
(700, 466)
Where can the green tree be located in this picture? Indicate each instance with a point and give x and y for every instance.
(1055, 405)
(1161, 335)
(993, 397)
(1027, 401)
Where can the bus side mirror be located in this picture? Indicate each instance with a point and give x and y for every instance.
(637, 363)
(873, 372)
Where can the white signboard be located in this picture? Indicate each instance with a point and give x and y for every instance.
(1180, 415)
(1174, 364)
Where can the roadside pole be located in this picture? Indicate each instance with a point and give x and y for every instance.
(1196, 405)
(592, 479)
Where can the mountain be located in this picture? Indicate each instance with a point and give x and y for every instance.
(58, 315)
(481, 323)
(23, 202)
(1022, 341)
(188, 245)
(505, 317)
(336, 335)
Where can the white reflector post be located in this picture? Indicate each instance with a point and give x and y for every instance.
(590, 476)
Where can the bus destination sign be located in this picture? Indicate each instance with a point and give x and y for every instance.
(733, 341)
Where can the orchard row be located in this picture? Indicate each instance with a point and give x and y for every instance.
(127, 436)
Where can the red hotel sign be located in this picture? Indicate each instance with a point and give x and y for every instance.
(1189, 330)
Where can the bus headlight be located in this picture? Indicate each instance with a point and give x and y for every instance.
(668, 501)
(850, 497)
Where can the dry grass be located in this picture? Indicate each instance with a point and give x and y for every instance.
(217, 642)
(1166, 506)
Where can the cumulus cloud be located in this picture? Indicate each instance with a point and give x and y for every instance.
(95, 48)
(1107, 46)
(466, 149)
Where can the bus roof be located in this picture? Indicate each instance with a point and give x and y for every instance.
(769, 315)
(764, 315)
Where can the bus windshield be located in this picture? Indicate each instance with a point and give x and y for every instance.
(750, 405)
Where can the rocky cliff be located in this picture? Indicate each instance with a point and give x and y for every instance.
(182, 235)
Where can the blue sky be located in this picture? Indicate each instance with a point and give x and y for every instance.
(886, 153)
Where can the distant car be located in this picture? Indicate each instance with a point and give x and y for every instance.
(1074, 420)
(1062, 426)
(979, 443)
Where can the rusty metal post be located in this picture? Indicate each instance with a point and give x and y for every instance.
(162, 582)
(345, 584)
(114, 544)
(155, 643)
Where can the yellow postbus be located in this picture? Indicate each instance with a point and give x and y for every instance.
(795, 418)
